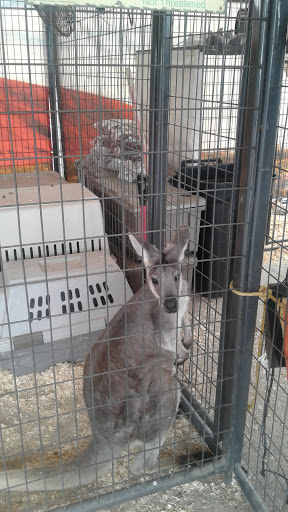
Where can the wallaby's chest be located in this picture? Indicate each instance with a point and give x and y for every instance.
(168, 329)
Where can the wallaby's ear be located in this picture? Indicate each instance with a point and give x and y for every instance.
(147, 252)
(174, 252)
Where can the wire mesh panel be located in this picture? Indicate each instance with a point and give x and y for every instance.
(137, 119)
(265, 455)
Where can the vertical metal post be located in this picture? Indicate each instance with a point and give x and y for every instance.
(158, 125)
(245, 179)
(234, 207)
(54, 92)
(273, 76)
(255, 173)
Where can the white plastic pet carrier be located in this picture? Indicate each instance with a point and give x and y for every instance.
(65, 297)
(46, 216)
(58, 280)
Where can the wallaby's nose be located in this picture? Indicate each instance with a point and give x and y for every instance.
(170, 305)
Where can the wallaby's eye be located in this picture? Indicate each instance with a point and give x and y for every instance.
(154, 280)
(176, 277)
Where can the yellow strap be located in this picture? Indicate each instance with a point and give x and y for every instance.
(264, 293)
(251, 404)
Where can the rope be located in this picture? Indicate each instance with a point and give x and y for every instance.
(264, 293)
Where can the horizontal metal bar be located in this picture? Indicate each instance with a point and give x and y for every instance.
(275, 241)
(139, 490)
(200, 426)
(198, 407)
(118, 64)
(249, 492)
(280, 246)
(208, 107)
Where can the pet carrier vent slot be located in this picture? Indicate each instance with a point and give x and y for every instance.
(72, 307)
(93, 245)
(106, 288)
(42, 303)
(100, 291)
(51, 249)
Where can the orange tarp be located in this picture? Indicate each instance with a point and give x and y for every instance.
(24, 125)
(25, 128)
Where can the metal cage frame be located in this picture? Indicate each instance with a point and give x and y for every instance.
(258, 113)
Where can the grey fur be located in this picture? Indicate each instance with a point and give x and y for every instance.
(129, 383)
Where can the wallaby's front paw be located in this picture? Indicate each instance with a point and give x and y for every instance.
(186, 342)
(181, 358)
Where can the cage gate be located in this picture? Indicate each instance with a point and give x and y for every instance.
(118, 122)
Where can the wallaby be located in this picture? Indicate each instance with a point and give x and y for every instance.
(129, 381)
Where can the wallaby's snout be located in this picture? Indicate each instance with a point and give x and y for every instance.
(170, 305)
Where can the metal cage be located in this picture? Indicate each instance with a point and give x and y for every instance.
(118, 121)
